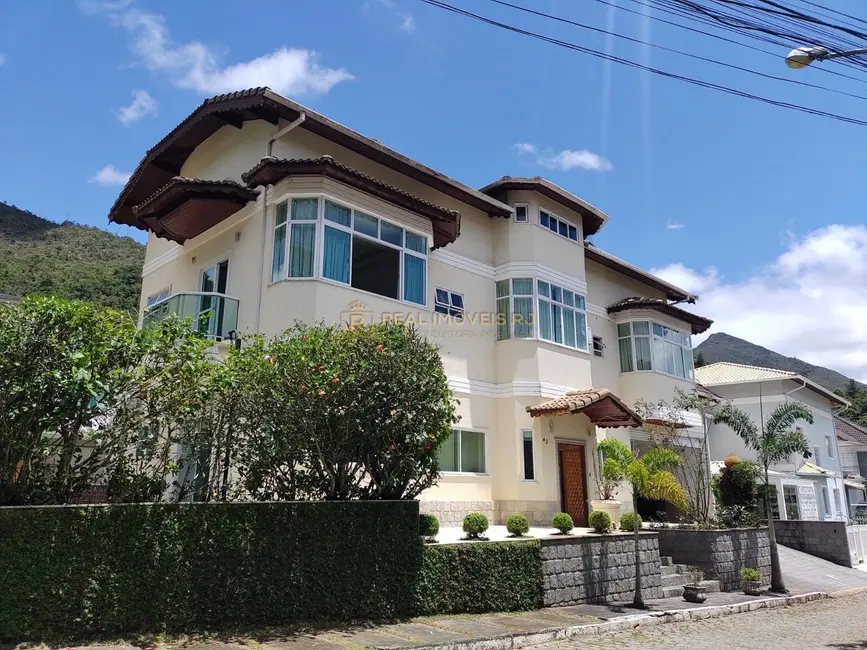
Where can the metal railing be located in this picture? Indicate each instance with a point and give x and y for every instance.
(212, 314)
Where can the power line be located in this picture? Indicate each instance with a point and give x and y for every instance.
(697, 57)
(671, 75)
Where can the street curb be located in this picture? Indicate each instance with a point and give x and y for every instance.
(624, 623)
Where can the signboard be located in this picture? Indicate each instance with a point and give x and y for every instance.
(807, 502)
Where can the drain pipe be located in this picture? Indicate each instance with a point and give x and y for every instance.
(277, 135)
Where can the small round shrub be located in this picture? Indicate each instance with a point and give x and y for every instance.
(563, 522)
(517, 525)
(627, 522)
(600, 521)
(428, 525)
(731, 460)
(475, 524)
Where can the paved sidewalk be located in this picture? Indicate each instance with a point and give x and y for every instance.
(803, 573)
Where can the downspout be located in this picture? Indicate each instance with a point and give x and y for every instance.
(277, 135)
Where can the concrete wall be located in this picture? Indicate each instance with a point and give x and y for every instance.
(599, 569)
(720, 553)
(825, 539)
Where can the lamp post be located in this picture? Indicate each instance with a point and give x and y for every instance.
(801, 57)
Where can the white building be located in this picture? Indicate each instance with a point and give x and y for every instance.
(806, 488)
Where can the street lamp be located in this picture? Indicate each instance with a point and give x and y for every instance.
(801, 57)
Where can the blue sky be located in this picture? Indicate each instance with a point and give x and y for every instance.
(759, 208)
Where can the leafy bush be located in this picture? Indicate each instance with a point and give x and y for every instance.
(627, 522)
(121, 568)
(696, 575)
(428, 525)
(737, 493)
(731, 460)
(612, 474)
(600, 521)
(562, 521)
(475, 524)
(749, 574)
(477, 578)
(517, 525)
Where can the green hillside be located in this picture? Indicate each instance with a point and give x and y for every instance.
(74, 261)
(723, 347)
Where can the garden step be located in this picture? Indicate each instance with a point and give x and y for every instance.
(666, 560)
(674, 580)
(673, 569)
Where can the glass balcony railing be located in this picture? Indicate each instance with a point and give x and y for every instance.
(212, 314)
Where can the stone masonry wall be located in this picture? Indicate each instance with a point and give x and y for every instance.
(825, 539)
(538, 513)
(452, 513)
(720, 553)
(599, 569)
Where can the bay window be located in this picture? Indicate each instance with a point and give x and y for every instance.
(645, 345)
(357, 249)
(529, 308)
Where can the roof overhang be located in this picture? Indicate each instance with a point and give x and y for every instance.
(271, 170)
(608, 260)
(698, 324)
(807, 383)
(184, 208)
(859, 483)
(601, 406)
(167, 158)
(594, 218)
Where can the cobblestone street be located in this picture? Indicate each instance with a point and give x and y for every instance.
(838, 623)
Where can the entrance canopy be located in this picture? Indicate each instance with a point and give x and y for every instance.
(600, 405)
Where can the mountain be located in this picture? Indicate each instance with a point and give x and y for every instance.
(74, 261)
(723, 347)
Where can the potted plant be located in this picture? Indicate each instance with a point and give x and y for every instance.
(694, 591)
(751, 581)
(608, 478)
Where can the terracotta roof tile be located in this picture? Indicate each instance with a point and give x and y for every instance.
(602, 406)
(850, 431)
(699, 323)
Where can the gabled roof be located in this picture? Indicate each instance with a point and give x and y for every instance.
(849, 431)
(600, 405)
(594, 218)
(811, 469)
(594, 254)
(725, 372)
(168, 156)
(699, 324)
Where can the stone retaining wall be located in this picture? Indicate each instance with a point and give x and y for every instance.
(452, 513)
(538, 513)
(825, 539)
(720, 553)
(598, 569)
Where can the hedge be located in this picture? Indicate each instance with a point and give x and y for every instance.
(70, 570)
(481, 577)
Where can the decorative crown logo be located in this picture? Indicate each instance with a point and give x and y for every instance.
(357, 305)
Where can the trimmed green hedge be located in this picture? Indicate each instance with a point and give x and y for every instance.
(481, 577)
(70, 570)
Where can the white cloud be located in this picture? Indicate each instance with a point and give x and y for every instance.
(671, 225)
(142, 104)
(567, 159)
(407, 23)
(110, 175)
(810, 303)
(195, 66)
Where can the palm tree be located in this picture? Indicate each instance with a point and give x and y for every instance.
(777, 441)
(650, 477)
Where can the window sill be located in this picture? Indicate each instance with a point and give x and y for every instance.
(465, 475)
(546, 342)
(335, 283)
(658, 372)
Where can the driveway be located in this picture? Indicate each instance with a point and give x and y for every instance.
(804, 573)
(836, 623)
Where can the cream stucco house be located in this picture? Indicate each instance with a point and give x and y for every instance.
(261, 211)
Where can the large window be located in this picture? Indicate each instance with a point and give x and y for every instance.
(645, 345)
(559, 226)
(464, 452)
(358, 249)
(790, 499)
(559, 315)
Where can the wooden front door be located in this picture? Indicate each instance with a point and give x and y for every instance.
(573, 482)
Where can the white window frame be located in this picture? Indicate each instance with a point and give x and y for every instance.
(559, 220)
(829, 446)
(450, 306)
(521, 440)
(460, 430)
(817, 455)
(535, 296)
(163, 294)
(526, 207)
(319, 243)
(838, 502)
(826, 502)
(690, 376)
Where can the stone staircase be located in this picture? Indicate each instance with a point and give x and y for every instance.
(675, 576)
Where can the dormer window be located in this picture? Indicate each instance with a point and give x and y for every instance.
(558, 226)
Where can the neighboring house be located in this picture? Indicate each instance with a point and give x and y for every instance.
(261, 211)
(852, 442)
(809, 488)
